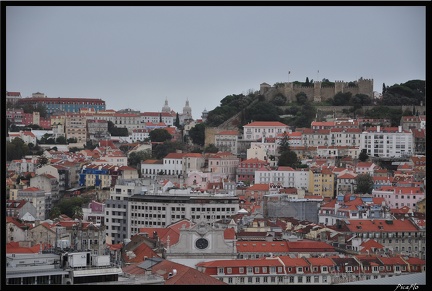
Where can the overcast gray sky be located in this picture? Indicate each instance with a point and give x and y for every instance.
(136, 57)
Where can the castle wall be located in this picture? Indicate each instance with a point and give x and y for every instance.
(210, 133)
(317, 93)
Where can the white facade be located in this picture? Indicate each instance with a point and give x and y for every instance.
(151, 168)
(23, 165)
(345, 137)
(224, 164)
(133, 205)
(257, 151)
(173, 164)
(155, 117)
(36, 197)
(387, 142)
(259, 129)
(140, 134)
(163, 209)
(286, 177)
(226, 141)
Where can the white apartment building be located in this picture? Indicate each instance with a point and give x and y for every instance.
(267, 129)
(345, 136)
(140, 134)
(387, 142)
(151, 168)
(76, 127)
(133, 204)
(314, 138)
(37, 197)
(226, 141)
(173, 164)
(284, 176)
(23, 165)
(127, 120)
(156, 117)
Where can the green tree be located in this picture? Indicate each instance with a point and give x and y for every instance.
(305, 116)
(263, 111)
(68, 206)
(159, 135)
(55, 212)
(364, 184)
(74, 149)
(61, 140)
(77, 212)
(301, 98)
(197, 134)
(288, 158)
(135, 158)
(211, 148)
(177, 121)
(360, 99)
(284, 143)
(162, 149)
(363, 156)
(341, 99)
(279, 99)
(42, 161)
(16, 149)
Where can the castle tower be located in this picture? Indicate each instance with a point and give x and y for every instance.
(339, 87)
(365, 87)
(166, 108)
(317, 91)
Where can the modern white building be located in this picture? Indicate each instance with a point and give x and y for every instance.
(283, 176)
(259, 129)
(133, 205)
(387, 142)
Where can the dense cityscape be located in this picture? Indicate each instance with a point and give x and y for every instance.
(103, 196)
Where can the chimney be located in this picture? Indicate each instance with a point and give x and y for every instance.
(399, 128)
(378, 128)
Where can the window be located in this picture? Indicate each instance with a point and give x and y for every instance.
(300, 269)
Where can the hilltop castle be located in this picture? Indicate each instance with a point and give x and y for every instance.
(317, 92)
